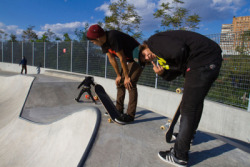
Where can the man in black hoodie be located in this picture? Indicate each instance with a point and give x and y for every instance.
(198, 59)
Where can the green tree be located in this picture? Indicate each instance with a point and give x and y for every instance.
(12, 38)
(176, 17)
(1, 35)
(124, 18)
(51, 36)
(82, 34)
(29, 34)
(66, 37)
(244, 42)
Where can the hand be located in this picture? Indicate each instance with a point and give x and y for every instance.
(127, 83)
(157, 69)
(118, 80)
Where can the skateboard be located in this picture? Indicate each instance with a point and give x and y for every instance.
(171, 123)
(107, 103)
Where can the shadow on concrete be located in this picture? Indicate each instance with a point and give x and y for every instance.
(142, 113)
(201, 137)
(234, 142)
(200, 156)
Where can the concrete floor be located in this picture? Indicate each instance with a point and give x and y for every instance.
(133, 145)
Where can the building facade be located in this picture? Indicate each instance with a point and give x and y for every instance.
(234, 38)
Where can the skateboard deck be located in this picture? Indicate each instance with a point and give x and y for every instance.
(170, 130)
(107, 103)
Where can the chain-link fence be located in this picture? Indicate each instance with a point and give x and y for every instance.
(232, 86)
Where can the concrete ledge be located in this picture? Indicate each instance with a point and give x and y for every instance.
(217, 118)
(17, 68)
(66, 142)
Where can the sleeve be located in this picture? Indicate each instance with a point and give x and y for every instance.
(116, 42)
(81, 84)
(173, 50)
(170, 75)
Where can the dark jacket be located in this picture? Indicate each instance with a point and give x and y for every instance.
(87, 82)
(23, 62)
(179, 50)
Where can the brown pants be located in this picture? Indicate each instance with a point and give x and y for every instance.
(135, 71)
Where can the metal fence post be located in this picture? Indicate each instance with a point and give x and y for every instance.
(106, 65)
(57, 56)
(12, 53)
(248, 109)
(71, 56)
(44, 54)
(156, 78)
(33, 53)
(2, 51)
(22, 50)
(87, 65)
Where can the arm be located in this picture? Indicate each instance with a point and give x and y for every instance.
(80, 84)
(123, 61)
(168, 75)
(115, 66)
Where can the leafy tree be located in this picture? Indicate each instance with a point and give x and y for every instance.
(244, 42)
(1, 35)
(12, 38)
(43, 39)
(123, 18)
(58, 39)
(81, 34)
(66, 37)
(176, 17)
(50, 35)
(29, 34)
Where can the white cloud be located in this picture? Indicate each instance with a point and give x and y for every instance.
(105, 9)
(59, 29)
(208, 10)
(10, 29)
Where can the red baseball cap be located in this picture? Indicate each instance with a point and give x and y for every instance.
(95, 31)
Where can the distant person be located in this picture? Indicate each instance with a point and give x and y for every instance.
(117, 44)
(198, 59)
(38, 68)
(24, 65)
(86, 83)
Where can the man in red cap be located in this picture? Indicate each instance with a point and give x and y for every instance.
(118, 44)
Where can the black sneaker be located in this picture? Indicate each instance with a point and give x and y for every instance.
(169, 157)
(124, 118)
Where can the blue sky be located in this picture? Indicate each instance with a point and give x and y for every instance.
(66, 15)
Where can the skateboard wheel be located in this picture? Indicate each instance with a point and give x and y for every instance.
(162, 127)
(109, 120)
(179, 90)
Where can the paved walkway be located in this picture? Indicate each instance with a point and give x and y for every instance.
(133, 145)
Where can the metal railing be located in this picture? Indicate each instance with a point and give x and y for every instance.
(232, 86)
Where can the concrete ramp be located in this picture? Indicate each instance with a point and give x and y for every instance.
(25, 144)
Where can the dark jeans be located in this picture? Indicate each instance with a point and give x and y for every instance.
(85, 90)
(196, 86)
(134, 74)
(24, 67)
